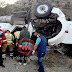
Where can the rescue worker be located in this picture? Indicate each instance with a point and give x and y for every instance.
(10, 39)
(2, 38)
(21, 35)
(40, 45)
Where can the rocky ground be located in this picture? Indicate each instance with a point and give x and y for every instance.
(54, 62)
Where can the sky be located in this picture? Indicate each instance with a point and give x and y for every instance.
(10, 1)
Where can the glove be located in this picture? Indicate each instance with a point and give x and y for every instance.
(16, 44)
(12, 43)
(33, 52)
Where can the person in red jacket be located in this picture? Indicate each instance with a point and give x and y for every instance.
(2, 39)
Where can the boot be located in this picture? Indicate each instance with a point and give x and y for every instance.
(40, 70)
(2, 65)
(3, 56)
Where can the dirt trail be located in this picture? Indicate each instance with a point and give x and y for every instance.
(55, 63)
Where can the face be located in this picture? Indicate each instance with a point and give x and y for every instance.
(38, 34)
(7, 31)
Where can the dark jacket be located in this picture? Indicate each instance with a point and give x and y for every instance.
(42, 45)
(23, 34)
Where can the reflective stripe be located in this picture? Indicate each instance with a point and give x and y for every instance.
(11, 54)
(9, 39)
(3, 55)
(1, 32)
(0, 45)
(4, 40)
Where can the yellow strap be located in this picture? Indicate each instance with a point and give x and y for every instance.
(11, 54)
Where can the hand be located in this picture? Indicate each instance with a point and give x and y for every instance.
(33, 52)
(16, 44)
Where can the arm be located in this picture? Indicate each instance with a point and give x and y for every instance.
(12, 38)
(35, 47)
(4, 39)
(36, 44)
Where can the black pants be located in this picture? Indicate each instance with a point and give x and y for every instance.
(21, 55)
(1, 61)
(16, 53)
